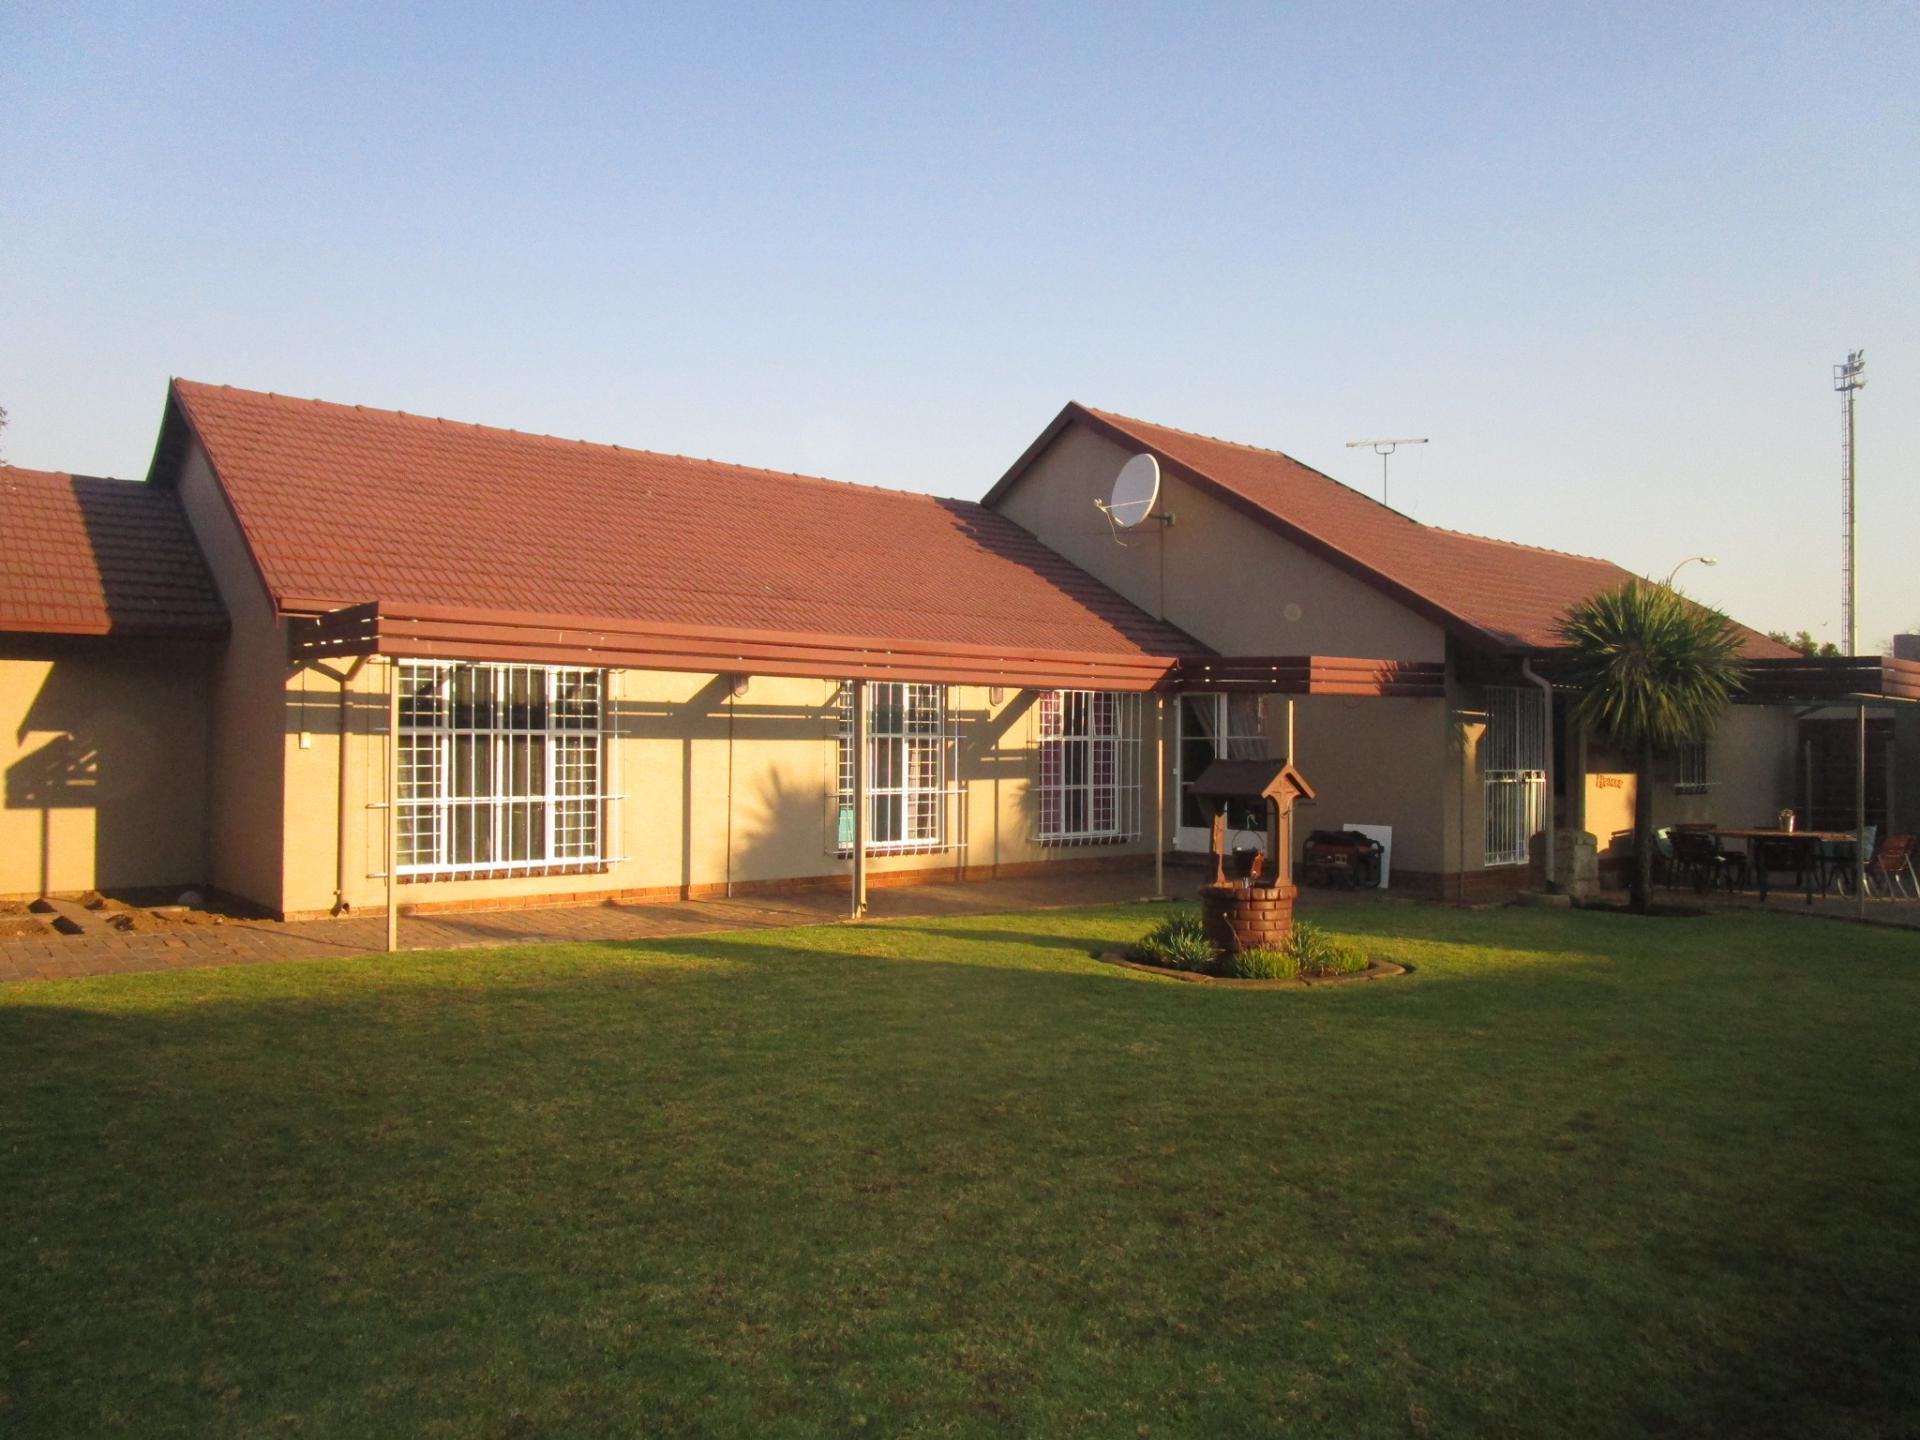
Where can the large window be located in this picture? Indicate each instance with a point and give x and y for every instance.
(501, 768)
(1089, 766)
(907, 767)
(1514, 767)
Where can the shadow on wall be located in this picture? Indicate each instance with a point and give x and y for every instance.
(126, 742)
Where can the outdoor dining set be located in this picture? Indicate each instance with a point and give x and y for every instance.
(1821, 862)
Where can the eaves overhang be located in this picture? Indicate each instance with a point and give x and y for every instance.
(427, 632)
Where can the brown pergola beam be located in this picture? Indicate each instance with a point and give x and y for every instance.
(442, 633)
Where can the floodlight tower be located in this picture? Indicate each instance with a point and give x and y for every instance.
(1849, 378)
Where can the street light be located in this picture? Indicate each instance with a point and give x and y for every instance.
(1703, 559)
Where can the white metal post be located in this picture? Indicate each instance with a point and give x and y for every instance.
(860, 778)
(1159, 797)
(393, 805)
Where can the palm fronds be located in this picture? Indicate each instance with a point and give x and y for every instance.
(1653, 668)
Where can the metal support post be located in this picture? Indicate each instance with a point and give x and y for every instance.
(860, 780)
(393, 805)
(1159, 797)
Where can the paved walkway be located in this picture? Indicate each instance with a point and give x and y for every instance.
(1902, 913)
(106, 951)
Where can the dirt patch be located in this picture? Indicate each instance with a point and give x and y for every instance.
(19, 925)
(1377, 970)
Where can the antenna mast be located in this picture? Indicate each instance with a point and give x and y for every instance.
(1849, 379)
(1383, 448)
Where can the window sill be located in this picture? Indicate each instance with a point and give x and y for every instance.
(1084, 841)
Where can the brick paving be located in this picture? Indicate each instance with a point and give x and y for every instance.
(103, 950)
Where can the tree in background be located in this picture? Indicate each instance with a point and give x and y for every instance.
(1803, 641)
(1654, 670)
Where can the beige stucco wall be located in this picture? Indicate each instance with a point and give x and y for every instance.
(246, 704)
(716, 789)
(1230, 581)
(1750, 770)
(103, 749)
(1236, 586)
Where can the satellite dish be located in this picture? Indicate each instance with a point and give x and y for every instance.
(1135, 489)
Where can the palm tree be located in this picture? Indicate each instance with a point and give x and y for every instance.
(1654, 670)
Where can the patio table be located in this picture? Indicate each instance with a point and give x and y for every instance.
(1811, 839)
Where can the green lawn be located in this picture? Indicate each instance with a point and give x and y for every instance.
(1578, 1174)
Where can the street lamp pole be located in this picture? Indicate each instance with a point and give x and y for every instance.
(1703, 559)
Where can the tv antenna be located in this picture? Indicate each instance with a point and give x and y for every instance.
(1384, 448)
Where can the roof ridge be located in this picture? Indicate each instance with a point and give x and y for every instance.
(1116, 416)
(575, 443)
(68, 476)
(1523, 545)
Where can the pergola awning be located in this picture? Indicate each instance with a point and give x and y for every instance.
(1806, 680)
(427, 632)
(1831, 679)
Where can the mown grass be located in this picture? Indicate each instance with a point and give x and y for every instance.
(1578, 1174)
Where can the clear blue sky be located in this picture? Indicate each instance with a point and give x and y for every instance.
(1604, 256)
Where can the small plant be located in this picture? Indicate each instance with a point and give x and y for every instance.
(1263, 964)
(1180, 943)
(1317, 953)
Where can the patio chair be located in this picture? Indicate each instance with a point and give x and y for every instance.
(1892, 866)
(1697, 856)
(1664, 866)
(1835, 861)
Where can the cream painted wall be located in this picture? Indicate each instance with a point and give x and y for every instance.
(103, 750)
(716, 789)
(1230, 582)
(1750, 769)
(1238, 587)
(247, 709)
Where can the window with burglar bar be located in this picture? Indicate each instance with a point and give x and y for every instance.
(501, 768)
(907, 767)
(1690, 768)
(1514, 767)
(1089, 786)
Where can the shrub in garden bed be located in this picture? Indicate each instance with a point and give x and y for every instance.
(1179, 943)
(1319, 954)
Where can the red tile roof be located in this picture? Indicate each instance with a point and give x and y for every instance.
(87, 556)
(1499, 593)
(343, 504)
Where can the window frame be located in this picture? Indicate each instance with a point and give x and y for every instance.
(1692, 767)
(503, 770)
(909, 768)
(1086, 747)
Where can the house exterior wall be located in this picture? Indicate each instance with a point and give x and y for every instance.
(1750, 772)
(1235, 585)
(246, 705)
(718, 791)
(103, 753)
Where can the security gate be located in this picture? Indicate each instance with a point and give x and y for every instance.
(1514, 764)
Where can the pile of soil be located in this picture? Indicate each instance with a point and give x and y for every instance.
(17, 922)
